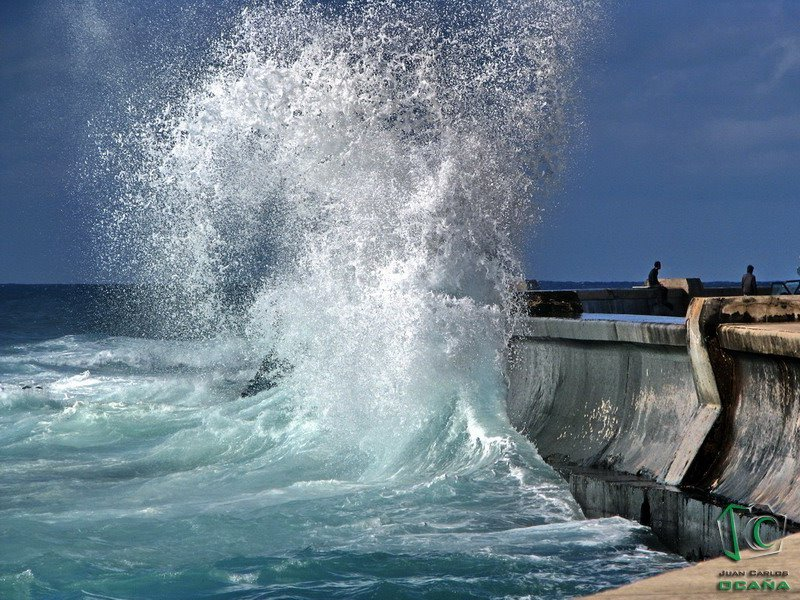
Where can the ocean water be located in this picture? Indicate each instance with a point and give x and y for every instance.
(344, 187)
(137, 471)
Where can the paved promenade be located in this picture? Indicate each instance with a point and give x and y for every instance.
(702, 579)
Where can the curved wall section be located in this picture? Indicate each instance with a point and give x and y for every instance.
(668, 422)
(608, 394)
(762, 465)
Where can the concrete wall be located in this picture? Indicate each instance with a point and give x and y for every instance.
(640, 300)
(762, 465)
(680, 419)
(636, 301)
(751, 454)
(686, 523)
(643, 300)
(611, 394)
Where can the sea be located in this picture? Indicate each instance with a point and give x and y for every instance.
(342, 188)
(131, 467)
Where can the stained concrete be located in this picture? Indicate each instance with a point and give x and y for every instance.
(691, 285)
(759, 309)
(778, 339)
(552, 304)
(664, 422)
(603, 330)
(752, 455)
(684, 521)
(610, 394)
(639, 300)
(763, 462)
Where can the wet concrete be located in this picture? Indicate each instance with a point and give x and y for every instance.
(684, 520)
(762, 465)
(613, 394)
(667, 423)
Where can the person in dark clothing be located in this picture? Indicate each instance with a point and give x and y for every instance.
(652, 279)
(653, 282)
(749, 285)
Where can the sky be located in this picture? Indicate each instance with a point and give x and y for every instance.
(690, 147)
(686, 151)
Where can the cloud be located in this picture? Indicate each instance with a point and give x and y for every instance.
(788, 60)
(738, 133)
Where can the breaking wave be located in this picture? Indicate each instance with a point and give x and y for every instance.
(342, 186)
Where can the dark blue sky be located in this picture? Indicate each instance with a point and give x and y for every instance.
(689, 149)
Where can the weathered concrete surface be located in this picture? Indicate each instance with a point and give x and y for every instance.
(552, 304)
(637, 301)
(701, 581)
(691, 285)
(752, 454)
(610, 394)
(778, 339)
(644, 300)
(626, 410)
(685, 523)
(603, 330)
(759, 309)
(762, 465)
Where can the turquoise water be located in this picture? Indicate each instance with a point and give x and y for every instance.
(342, 186)
(138, 472)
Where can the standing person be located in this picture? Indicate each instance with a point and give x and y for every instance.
(749, 285)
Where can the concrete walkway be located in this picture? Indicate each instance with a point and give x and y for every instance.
(702, 579)
(782, 339)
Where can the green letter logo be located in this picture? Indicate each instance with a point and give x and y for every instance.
(753, 533)
(758, 543)
(733, 553)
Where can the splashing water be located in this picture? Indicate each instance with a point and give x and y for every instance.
(381, 148)
(379, 159)
(358, 174)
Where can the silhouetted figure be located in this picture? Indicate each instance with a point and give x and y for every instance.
(652, 279)
(749, 285)
(653, 282)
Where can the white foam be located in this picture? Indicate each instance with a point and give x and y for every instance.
(374, 165)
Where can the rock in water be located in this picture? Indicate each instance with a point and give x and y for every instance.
(271, 371)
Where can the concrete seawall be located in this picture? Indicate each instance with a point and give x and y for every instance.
(639, 300)
(666, 421)
(628, 385)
